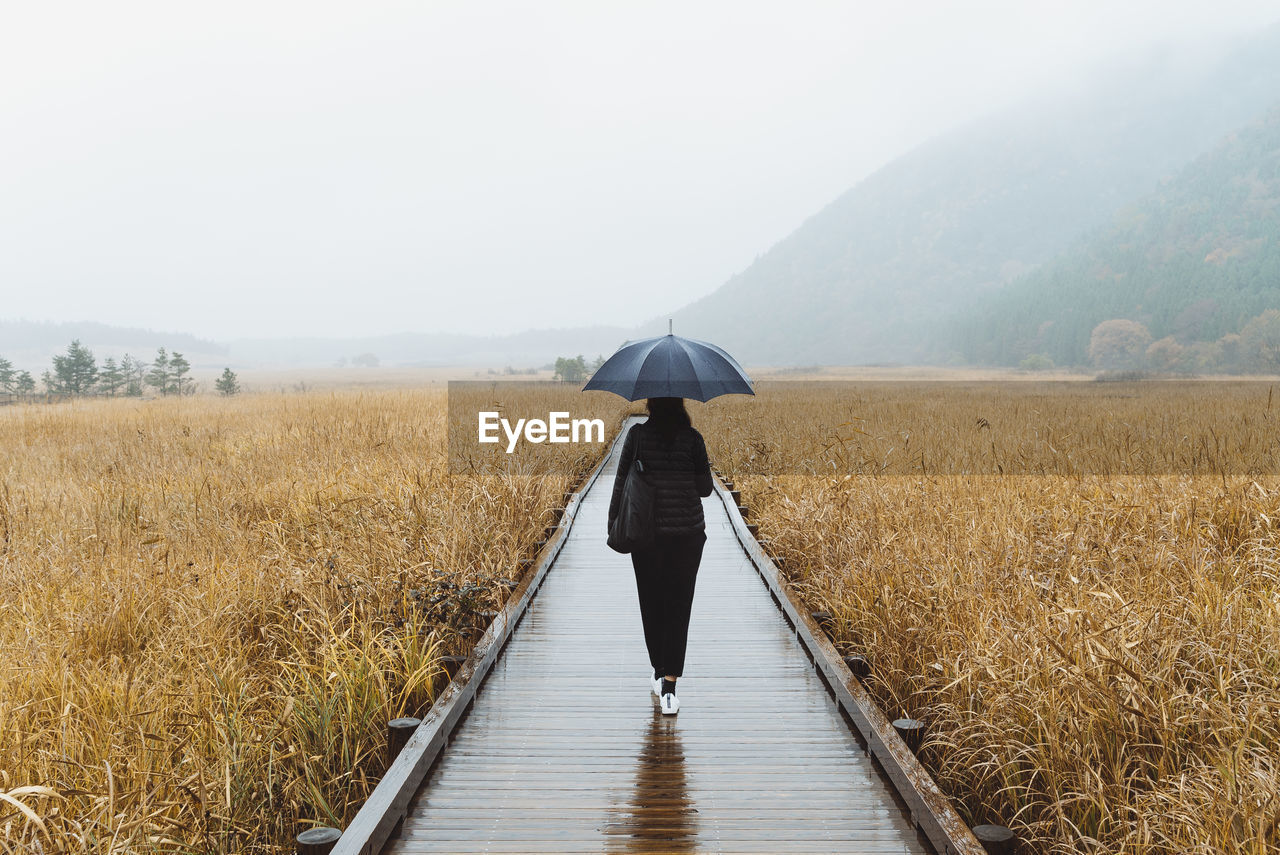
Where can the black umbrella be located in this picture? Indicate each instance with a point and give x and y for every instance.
(670, 366)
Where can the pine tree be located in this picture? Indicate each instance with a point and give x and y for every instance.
(25, 384)
(158, 376)
(85, 368)
(135, 375)
(180, 383)
(7, 375)
(227, 384)
(112, 376)
(76, 371)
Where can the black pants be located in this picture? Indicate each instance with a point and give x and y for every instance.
(665, 576)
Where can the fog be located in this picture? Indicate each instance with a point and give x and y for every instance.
(310, 169)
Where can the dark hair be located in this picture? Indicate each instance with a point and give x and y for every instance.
(668, 415)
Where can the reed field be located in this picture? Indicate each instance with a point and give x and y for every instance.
(209, 608)
(1075, 586)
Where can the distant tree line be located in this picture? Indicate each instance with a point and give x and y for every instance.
(362, 360)
(512, 371)
(77, 373)
(1121, 344)
(575, 369)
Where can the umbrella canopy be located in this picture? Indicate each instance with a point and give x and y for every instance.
(670, 366)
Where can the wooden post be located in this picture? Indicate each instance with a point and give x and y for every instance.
(742, 509)
(996, 839)
(483, 619)
(452, 664)
(318, 841)
(737, 496)
(859, 665)
(825, 621)
(911, 731)
(753, 528)
(398, 732)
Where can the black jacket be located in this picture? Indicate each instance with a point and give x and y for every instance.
(679, 472)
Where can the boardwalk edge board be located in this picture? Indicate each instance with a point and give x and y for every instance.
(376, 821)
(931, 811)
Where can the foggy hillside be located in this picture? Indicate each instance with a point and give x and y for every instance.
(1196, 260)
(1009, 223)
(521, 350)
(877, 274)
(31, 344)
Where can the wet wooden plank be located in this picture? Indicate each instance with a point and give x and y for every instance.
(640, 842)
(929, 808)
(615, 798)
(377, 819)
(440, 816)
(564, 749)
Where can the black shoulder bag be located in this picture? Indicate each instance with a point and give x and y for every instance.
(634, 526)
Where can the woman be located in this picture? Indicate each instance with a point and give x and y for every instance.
(675, 462)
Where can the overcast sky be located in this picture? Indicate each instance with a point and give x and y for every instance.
(245, 169)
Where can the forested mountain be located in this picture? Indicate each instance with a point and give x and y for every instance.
(1195, 261)
(879, 274)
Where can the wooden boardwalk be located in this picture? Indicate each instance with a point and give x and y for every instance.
(564, 749)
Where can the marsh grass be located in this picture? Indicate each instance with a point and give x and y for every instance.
(1095, 655)
(209, 609)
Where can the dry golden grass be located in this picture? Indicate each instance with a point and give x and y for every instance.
(1097, 656)
(210, 608)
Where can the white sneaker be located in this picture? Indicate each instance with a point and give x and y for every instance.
(657, 686)
(670, 704)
